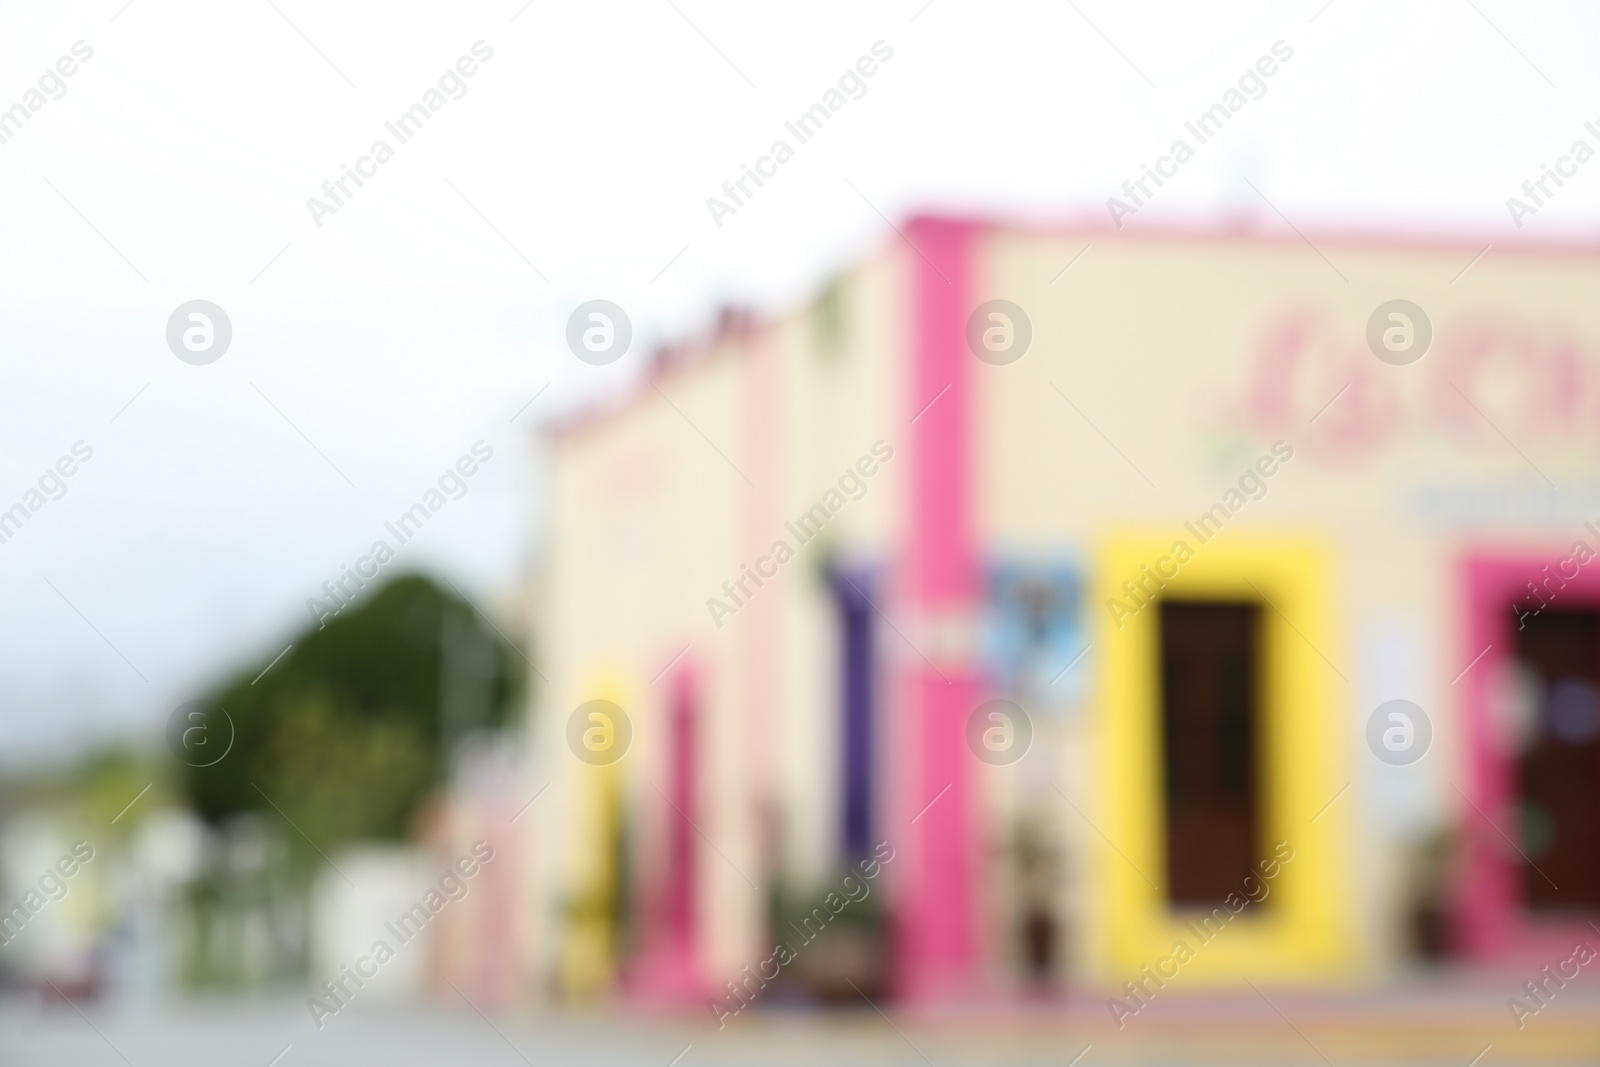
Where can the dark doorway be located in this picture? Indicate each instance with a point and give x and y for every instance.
(857, 687)
(1210, 669)
(1558, 770)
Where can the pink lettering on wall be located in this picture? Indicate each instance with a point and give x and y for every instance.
(1312, 375)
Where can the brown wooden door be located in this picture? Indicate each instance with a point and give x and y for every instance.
(1210, 691)
(1558, 769)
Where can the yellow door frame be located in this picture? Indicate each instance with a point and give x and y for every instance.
(1302, 930)
(588, 960)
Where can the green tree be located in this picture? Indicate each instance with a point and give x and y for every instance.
(348, 734)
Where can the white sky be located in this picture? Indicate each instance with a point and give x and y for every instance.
(406, 328)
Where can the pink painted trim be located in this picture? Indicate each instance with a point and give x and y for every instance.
(666, 969)
(1331, 233)
(728, 337)
(935, 931)
(1490, 924)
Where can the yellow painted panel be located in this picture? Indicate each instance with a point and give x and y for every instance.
(589, 949)
(1302, 929)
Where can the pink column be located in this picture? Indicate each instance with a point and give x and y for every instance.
(1485, 897)
(935, 938)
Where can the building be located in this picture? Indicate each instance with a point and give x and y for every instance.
(1194, 508)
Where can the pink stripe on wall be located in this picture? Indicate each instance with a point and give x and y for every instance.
(935, 936)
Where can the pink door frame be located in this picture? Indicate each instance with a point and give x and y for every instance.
(935, 925)
(666, 968)
(1491, 925)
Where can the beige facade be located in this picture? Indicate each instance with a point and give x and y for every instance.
(1162, 371)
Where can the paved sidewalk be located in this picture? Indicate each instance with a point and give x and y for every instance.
(1456, 1024)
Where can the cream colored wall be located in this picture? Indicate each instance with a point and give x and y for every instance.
(642, 523)
(646, 523)
(837, 405)
(1156, 342)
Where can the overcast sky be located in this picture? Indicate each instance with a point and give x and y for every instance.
(423, 314)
